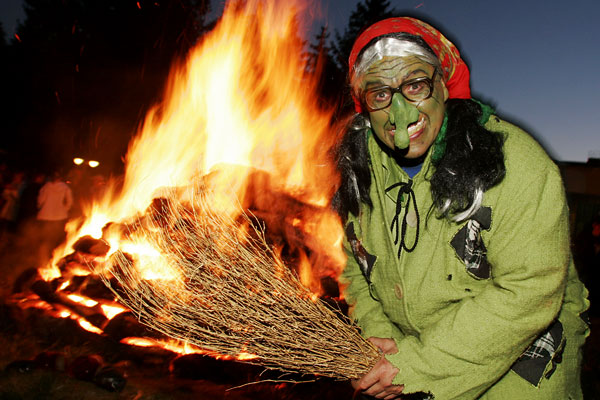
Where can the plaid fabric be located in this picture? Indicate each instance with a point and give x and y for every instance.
(469, 245)
(534, 363)
(543, 347)
(474, 255)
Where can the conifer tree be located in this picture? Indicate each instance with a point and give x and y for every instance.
(365, 14)
(322, 63)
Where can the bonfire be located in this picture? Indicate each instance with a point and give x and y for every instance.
(190, 261)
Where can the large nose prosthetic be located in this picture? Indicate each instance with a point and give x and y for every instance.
(402, 114)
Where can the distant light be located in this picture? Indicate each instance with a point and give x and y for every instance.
(78, 161)
(93, 164)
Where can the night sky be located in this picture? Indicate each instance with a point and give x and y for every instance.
(536, 61)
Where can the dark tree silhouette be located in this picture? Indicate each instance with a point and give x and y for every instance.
(321, 63)
(365, 14)
(328, 58)
(82, 73)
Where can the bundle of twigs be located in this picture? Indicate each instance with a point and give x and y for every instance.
(227, 292)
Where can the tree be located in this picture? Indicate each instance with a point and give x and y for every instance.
(322, 64)
(365, 14)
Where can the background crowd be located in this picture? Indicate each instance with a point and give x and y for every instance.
(36, 205)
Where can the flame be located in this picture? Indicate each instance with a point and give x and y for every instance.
(64, 285)
(305, 273)
(242, 101)
(150, 262)
(242, 98)
(246, 356)
(63, 313)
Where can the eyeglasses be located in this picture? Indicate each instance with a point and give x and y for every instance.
(413, 90)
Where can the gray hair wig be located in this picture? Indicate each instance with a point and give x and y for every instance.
(389, 46)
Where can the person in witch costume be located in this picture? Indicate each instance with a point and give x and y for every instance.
(459, 267)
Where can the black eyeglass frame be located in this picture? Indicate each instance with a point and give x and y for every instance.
(430, 82)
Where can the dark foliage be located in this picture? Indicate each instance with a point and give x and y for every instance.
(329, 58)
(80, 74)
(365, 14)
(322, 63)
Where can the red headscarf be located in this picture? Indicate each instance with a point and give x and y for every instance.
(454, 69)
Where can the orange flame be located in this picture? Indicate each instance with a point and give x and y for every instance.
(242, 98)
(243, 101)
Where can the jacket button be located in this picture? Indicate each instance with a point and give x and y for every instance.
(398, 291)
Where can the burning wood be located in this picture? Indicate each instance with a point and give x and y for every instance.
(92, 314)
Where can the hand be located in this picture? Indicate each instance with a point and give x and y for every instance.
(386, 345)
(378, 381)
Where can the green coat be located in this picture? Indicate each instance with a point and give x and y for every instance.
(464, 311)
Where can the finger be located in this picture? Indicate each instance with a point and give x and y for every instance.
(370, 379)
(386, 345)
(382, 391)
(389, 393)
(377, 391)
(377, 341)
(393, 391)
